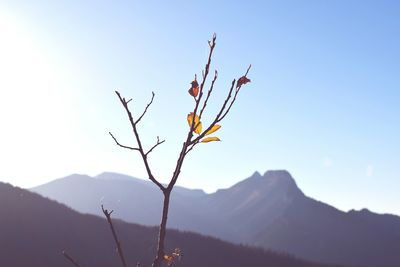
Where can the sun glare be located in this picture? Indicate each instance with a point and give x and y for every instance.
(32, 100)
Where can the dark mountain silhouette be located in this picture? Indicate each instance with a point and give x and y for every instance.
(35, 230)
(263, 210)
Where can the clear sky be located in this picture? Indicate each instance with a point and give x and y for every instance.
(324, 102)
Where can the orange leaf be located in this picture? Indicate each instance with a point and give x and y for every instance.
(210, 139)
(168, 258)
(213, 129)
(194, 90)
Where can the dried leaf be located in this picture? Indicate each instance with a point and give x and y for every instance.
(213, 129)
(194, 90)
(210, 139)
(168, 258)
(194, 83)
(241, 81)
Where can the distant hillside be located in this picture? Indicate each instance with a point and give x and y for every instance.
(34, 230)
(263, 210)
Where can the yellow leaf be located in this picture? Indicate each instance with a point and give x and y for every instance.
(210, 139)
(213, 129)
(197, 123)
(190, 119)
(198, 128)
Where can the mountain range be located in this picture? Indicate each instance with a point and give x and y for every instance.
(267, 211)
(35, 230)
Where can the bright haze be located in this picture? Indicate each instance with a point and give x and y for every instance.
(323, 102)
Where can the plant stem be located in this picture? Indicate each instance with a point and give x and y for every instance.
(163, 230)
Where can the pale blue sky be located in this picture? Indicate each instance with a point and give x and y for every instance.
(323, 102)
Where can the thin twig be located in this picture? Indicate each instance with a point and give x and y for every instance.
(68, 257)
(127, 147)
(247, 72)
(157, 144)
(212, 44)
(209, 93)
(230, 105)
(218, 117)
(236, 93)
(145, 110)
(119, 249)
(136, 134)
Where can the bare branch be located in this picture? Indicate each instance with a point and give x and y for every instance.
(157, 144)
(145, 110)
(238, 86)
(136, 134)
(207, 68)
(208, 93)
(127, 147)
(68, 257)
(230, 105)
(119, 249)
(248, 69)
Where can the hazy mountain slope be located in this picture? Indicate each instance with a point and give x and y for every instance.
(272, 212)
(34, 231)
(136, 200)
(265, 210)
(315, 230)
(253, 203)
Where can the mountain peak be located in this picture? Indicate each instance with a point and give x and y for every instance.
(114, 176)
(278, 174)
(280, 179)
(256, 174)
(274, 183)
